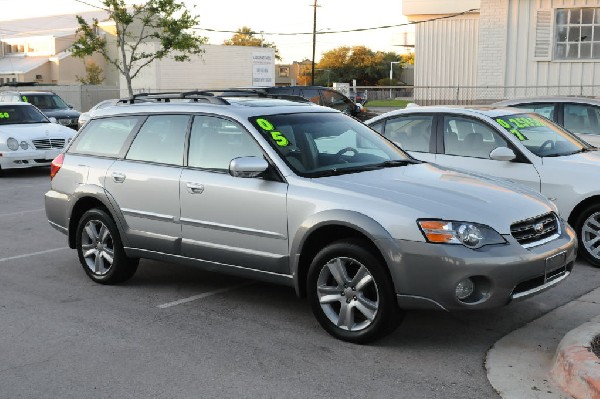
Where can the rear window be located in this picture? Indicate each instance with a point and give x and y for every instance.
(105, 137)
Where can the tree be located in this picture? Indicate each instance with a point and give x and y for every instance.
(165, 22)
(246, 37)
(358, 62)
(93, 74)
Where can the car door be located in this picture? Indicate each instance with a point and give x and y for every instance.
(230, 220)
(582, 120)
(467, 143)
(145, 184)
(412, 133)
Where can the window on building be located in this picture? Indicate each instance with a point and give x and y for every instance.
(577, 33)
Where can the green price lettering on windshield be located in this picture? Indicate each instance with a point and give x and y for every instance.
(25, 99)
(4, 115)
(265, 124)
(515, 124)
(277, 137)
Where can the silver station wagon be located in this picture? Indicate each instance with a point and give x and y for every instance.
(304, 196)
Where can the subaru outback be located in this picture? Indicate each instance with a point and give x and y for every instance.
(304, 196)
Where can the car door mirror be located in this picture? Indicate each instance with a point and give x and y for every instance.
(502, 154)
(247, 167)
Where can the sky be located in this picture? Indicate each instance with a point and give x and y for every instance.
(268, 16)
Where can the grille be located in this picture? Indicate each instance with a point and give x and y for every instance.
(48, 144)
(535, 231)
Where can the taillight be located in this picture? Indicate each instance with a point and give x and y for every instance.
(56, 164)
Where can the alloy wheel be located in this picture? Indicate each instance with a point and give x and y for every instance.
(97, 247)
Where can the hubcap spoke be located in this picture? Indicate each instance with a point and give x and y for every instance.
(366, 307)
(338, 271)
(346, 318)
(107, 255)
(104, 234)
(362, 278)
(90, 252)
(98, 264)
(91, 233)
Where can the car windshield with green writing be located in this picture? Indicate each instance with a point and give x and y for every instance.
(324, 144)
(541, 136)
(19, 114)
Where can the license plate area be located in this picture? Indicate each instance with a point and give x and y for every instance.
(556, 265)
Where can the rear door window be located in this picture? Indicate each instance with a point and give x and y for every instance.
(411, 133)
(105, 137)
(582, 118)
(161, 140)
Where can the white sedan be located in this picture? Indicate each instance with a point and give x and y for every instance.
(522, 147)
(28, 138)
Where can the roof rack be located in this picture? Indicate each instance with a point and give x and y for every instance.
(208, 96)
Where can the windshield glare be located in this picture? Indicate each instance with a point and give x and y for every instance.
(541, 136)
(319, 144)
(13, 114)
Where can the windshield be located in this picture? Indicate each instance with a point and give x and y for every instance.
(12, 114)
(323, 144)
(46, 101)
(541, 136)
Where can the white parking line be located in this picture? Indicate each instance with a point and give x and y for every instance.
(22, 212)
(201, 296)
(32, 254)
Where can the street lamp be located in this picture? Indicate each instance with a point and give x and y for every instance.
(312, 73)
(391, 74)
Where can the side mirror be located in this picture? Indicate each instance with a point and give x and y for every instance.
(70, 106)
(52, 119)
(502, 154)
(247, 167)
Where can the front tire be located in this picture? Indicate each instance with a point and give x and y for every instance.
(587, 226)
(100, 249)
(351, 293)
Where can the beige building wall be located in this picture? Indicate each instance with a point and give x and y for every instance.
(219, 67)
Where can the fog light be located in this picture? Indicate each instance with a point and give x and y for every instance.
(464, 288)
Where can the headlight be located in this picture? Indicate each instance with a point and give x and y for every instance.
(24, 145)
(471, 235)
(12, 144)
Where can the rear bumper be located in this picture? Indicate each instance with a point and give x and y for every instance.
(426, 275)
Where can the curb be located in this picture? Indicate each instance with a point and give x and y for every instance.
(576, 369)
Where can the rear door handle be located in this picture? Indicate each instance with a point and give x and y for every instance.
(118, 177)
(195, 188)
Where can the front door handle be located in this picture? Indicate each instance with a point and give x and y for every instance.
(195, 188)
(118, 177)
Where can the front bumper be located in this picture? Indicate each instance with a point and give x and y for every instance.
(425, 275)
(27, 158)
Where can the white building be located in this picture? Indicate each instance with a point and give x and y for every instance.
(505, 48)
(218, 67)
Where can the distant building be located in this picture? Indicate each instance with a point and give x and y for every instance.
(36, 50)
(518, 44)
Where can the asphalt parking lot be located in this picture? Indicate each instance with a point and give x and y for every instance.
(179, 332)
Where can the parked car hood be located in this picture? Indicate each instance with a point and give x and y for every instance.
(429, 191)
(591, 158)
(35, 131)
(60, 113)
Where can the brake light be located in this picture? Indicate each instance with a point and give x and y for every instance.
(56, 164)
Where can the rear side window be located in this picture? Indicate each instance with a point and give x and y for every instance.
(104, 137)
(544, 109)
(411, 133)
(161, 140)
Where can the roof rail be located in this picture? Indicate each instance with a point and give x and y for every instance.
(209, 96)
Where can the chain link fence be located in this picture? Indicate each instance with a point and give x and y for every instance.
(468, 95)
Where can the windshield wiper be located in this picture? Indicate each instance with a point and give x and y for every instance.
(364, 168)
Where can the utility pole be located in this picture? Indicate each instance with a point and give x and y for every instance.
(312, 73)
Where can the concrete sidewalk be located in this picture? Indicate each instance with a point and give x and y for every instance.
(519, 365)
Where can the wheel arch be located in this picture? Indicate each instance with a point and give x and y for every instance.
(89, 197)
(580, 207)
(325, 228)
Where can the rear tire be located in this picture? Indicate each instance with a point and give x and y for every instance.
(587, 226)
(100, 249)
(351, 293)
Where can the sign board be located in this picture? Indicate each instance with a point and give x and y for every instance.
(263, 69)
(343, 88)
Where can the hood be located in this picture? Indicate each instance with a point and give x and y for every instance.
(428, 191)
(36, 131)
(60, 113)
(584, 159)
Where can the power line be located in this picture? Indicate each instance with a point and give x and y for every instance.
(340, 31)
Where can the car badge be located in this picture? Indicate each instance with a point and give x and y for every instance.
(538, 227)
